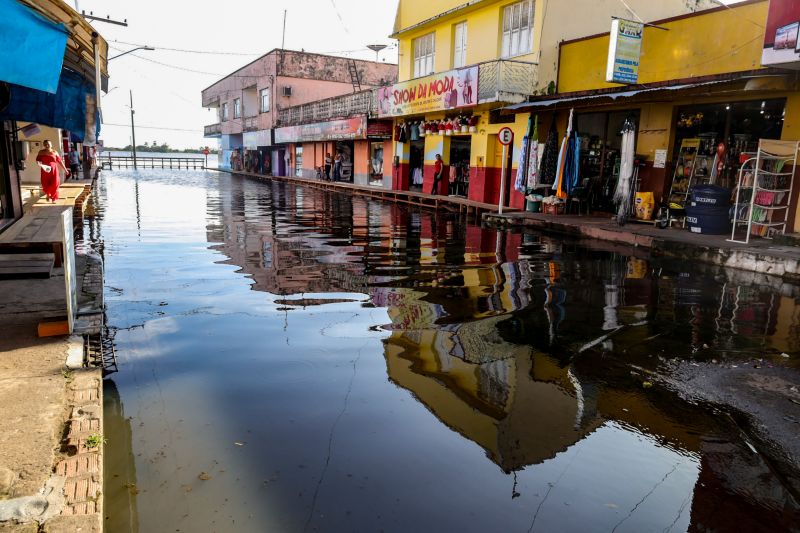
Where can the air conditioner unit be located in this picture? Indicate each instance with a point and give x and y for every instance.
(287, 90)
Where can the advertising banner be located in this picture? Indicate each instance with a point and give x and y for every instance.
(253, 139)
(781, 43)
(334, 130)
(624, 51)
(438, 92)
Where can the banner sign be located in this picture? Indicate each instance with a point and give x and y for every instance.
(253, 139)
(380, 129)
(334, 130)
(447, 90)
(624, 51)
(781, 42)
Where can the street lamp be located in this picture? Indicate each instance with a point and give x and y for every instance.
(132, 50)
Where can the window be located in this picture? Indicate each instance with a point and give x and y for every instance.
(223, 112)
(460, 45)
(264, 100)
(424, 52)
(518, 28)
(237, 108)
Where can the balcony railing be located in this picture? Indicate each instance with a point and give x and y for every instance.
(506, 80)
(212, 130)
(348, 105)
(250, 124)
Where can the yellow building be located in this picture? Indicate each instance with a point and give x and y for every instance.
(460, 62)
(700, 77)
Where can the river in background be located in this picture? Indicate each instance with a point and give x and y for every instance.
(296, 360)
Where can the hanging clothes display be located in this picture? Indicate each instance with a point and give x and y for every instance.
(520, 183)
(532, 165)
(572, 163)
(622, 195)
(547, 171)
(558, 184)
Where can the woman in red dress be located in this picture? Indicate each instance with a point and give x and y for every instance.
(49, 161)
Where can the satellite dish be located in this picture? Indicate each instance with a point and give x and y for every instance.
(376, 48)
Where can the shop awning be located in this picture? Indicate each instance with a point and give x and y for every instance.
(32, 48)
(610, 96)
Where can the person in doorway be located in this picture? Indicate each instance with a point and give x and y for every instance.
(74, 161)
(328, 163)
(337, 166)
(438, 171)
(287, 159)
(49, 161)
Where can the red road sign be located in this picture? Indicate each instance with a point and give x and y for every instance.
(206, 152)
(505, 136)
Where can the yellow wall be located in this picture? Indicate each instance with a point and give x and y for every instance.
(722, 41)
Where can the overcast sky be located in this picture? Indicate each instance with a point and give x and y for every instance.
(167, 97)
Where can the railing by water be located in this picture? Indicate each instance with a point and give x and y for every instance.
(177, 163)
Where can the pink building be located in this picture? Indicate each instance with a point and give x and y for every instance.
(248, 100)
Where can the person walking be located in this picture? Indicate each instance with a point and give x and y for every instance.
(328, 163)
(337, 166)
(74, 162)
(438, 171)
(49, 161)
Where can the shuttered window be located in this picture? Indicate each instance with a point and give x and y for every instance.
(424, 53)
(460, 45)
(518, 29)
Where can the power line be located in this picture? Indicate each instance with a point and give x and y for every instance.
(336, 9)
(188, 51)
(164, 128)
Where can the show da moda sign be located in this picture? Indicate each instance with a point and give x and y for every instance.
(453, 89)
(624, 51)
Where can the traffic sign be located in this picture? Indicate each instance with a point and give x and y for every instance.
(506, 136)
(206, 151)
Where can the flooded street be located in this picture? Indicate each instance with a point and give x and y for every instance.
(293, 360)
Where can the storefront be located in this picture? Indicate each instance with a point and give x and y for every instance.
(440, 114)
(257, 151)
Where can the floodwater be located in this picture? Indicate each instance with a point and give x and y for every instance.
(294, 360)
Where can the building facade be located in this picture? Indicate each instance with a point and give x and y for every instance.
(461, 62)
(249, 102)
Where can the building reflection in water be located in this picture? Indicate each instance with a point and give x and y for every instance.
(503, 337)
(119, 487)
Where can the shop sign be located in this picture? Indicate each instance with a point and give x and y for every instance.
(446, 90)
(381, 129)
(334, 130)
(624, 51)
(781, 42)
(251, 140)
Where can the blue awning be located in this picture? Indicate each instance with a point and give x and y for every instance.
(32, 47)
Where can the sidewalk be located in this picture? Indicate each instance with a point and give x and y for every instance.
(761, 255)
(51, 421)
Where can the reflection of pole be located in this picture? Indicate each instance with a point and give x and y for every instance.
(502, 180)
(133, 134)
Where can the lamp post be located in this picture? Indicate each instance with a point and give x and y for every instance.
(133, 134)
(132, 50)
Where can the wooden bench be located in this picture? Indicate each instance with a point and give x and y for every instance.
(26, 265)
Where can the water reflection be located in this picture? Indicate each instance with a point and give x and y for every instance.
(515, 346)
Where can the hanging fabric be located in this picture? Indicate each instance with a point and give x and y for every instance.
(522, 162)
(622, 195)
(548, 169)
(532, 165)
(562, 159)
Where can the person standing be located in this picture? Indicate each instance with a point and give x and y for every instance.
(49, 161)
(438, 171)
(74, 161)
(328, 163)
(287, 159)
(337, 166)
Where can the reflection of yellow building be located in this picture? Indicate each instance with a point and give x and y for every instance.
(520, 407)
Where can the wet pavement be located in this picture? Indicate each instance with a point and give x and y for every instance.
(294, 360)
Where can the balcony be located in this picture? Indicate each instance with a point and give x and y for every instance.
(506, 80)
(348, 105)
(250, 124)
(212, 130)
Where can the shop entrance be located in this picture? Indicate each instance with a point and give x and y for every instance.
(345, 148)
(739, 125)
(601, 141)
(416, 162)
(460, 153)
(376, 163)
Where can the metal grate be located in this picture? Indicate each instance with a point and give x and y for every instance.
(99, 352)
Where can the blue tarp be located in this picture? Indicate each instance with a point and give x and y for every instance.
(65, 109)
(31, 47)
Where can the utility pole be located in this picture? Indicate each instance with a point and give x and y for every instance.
(133, 134)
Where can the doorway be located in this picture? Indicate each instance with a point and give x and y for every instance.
(416, 163)
(460, 154)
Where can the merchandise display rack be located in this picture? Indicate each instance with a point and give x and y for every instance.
(764, 190)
